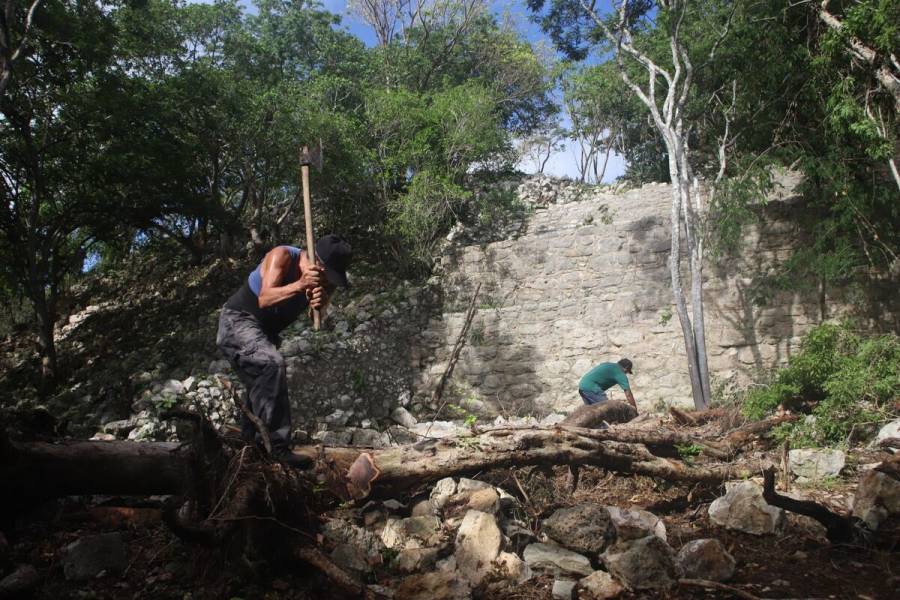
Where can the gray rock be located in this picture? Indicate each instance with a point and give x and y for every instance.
(370, 438)
(470, 485)
(413, 532)
(632, 524)
(442, 491)
(877, 498)
(439, 429)
(338, 418)
(891, 430)
(563, 588)
(519, 535)
(812, 465)
(189, 384)
(411, 560)
(477, 545)
(585, 528)
(91, 555)
(706, 559)
(423, 508)
(219, 366)
(645, 563)
(403, 417)
(601, 585)
(350, 557)
(439, 585)
(515, 568)
(366, 542)
(743, 508)
(334, 438)
(557, 560)
(20, 582)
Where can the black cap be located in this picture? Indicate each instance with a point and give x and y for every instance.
(626, 365)
(335, 253)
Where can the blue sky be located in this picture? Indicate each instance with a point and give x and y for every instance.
(562, 163)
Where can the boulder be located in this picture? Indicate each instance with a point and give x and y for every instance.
(91, 555)
(350, 557)
(644, 563)
(556, 560)
(413, 532)
(744, 509)
(519, 535)
(471, 485)
(877, 498)
(439, 585)
(486, 500)
(442, 491)
(20, 582)
(423, 508)
(415, 559)
(706, 559)
(585, 528)
(810, 464)
(515, 568)
(632, 524)
(563, 588)
(366, 542)
(403, 417)
(891, 430)
(601, 585)
(477, 545)
(370, 438)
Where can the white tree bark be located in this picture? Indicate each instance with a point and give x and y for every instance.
(687, 208)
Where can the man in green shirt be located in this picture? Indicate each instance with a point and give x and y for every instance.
(594, 384)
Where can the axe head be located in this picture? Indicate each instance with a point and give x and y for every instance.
(311, 156)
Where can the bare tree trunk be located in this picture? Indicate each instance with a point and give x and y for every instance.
(42, 470)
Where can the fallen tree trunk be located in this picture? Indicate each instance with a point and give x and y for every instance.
(41, 470)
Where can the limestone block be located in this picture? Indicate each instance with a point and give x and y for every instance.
(706, 559)
(554, 559)
(643, 563)
(601, 585)
(743, 508)
(477, 545)
(812, 464)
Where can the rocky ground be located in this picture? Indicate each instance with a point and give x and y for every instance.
(523, 533)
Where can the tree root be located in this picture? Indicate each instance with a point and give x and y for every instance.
(840, 529)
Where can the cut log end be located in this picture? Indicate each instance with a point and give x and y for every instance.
(360, 476)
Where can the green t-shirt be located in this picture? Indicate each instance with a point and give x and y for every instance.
(602, 377)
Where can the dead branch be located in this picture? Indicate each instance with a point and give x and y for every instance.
(715, 585)
(695, 417)
(840, 529)
(454, 356)
(343, 580)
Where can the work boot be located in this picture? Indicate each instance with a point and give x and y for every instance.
(284, 455)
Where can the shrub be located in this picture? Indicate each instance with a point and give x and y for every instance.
(847, 380)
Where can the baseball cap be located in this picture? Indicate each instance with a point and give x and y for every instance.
(626, 365)
(335, 253)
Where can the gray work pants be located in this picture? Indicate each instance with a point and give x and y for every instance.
(261, 368)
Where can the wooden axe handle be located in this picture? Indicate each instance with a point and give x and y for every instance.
(307, 214)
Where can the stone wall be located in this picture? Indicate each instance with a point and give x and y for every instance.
(586, 280)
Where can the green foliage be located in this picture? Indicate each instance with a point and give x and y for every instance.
(688, 452)
(848, 380)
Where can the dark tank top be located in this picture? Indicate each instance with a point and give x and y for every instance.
(278, 316)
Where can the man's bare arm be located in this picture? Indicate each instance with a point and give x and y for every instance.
(630, 397)
(275, 264)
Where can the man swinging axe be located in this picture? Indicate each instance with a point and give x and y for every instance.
(288, 282)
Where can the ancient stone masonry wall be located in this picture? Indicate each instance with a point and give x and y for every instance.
(587, 281)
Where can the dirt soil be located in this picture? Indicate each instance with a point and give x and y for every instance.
(798, 563)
